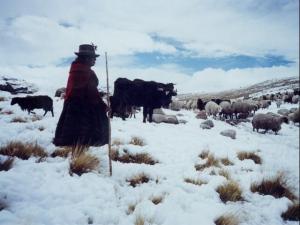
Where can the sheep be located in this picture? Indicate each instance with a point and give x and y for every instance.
(295, 117)
(34, 102)
(212, 108)
(264, 104)
(242, 107)
(278, 103)
(287, 97)
(226, 109)
(268, 122)
(254, 105)
(295, 99)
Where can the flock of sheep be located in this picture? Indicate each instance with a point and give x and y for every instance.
(229, 110)
(241, 109)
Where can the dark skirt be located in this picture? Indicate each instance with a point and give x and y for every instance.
(82, 123)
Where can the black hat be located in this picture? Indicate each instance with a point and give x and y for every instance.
(87, 49)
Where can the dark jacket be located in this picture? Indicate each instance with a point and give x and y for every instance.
(83, 120)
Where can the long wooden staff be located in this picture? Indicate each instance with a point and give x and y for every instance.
(109, 112)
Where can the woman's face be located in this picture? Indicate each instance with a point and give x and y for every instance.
(91, 61)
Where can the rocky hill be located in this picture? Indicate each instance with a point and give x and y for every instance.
(269, 86)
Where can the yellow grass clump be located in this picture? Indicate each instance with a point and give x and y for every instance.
(226, 162)
(23, 150)
(156, 199)
(210, 161)
(82, 162)
(195, 181)
(227, 220)
(138, 179)
(249, 155)
(139, 220)
(6, 112)
(41, 128)
(230, 191)
(62, 152)
(292, 213)
(36, 118)
(18, 119)
(131, 208)
(204, 154)
(6, 164)
(117, 142)
(276, 187)
(139, 158)
(137, 141)
(225, 174)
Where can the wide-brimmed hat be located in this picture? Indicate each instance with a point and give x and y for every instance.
(87, 50)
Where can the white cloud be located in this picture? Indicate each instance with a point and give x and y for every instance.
(207, 27)
(214, 80)
(51, 78)
(32, 33)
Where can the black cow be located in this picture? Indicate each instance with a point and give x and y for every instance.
(201, 104)
(148, 94)
(30, 103)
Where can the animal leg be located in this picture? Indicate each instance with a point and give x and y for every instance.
(144, 114)
(150, 115)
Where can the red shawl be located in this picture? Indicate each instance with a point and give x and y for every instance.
(82, 83)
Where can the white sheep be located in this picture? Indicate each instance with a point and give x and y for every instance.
(212, 108)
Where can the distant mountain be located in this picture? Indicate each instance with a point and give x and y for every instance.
(16, 86)
(269, 86)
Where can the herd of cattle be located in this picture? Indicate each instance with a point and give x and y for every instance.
(151, 95)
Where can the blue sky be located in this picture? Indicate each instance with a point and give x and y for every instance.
(191, 64)
(195, 42)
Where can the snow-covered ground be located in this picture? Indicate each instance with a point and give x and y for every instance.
(44, 193)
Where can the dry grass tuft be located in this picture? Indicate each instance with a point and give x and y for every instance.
(276, 187)
(249, 155)
(204, 154)
(213, 173)
(36, 118)
(227, 220)
(210, 161)
(225, 174)
(6, 164)
(139, 220)
(62, 152)
(82, 162)
(7, 112)
(117, 142)
(138, 179)
(41, 128)
(292, 213)
(137, 141)
(23, 150)
(3, 205)
(195, 181)
(131, 208)
(157, 199)
(231, 191)
(18, 120)
(226, 162)
(133, 158)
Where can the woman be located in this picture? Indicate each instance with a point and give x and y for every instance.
(83, 120)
